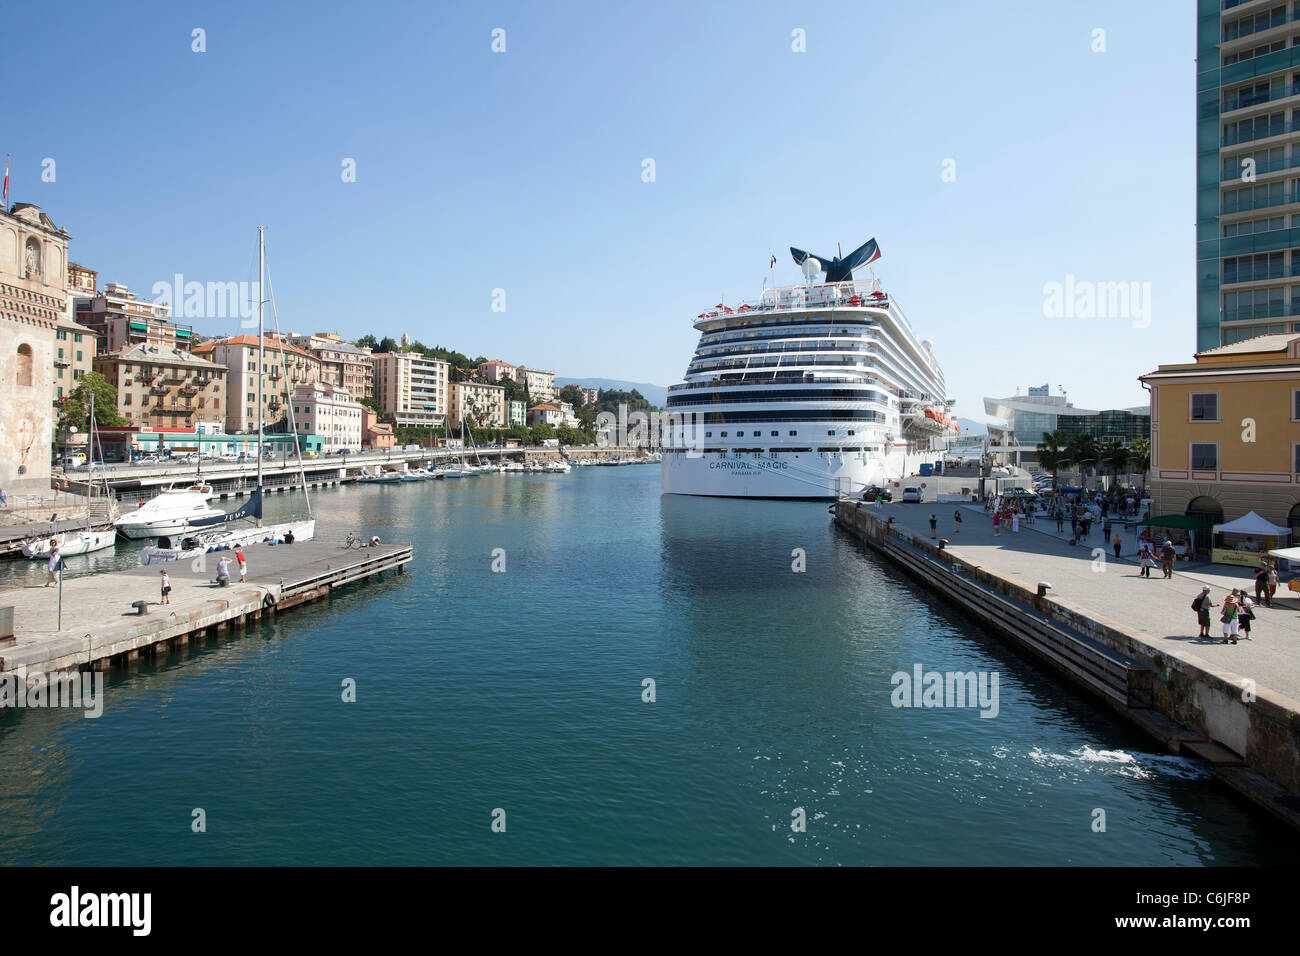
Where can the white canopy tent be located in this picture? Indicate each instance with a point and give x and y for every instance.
(1287, 554)
(1251, 523)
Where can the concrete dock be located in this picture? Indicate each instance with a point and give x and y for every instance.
(101, 626)
(1127, 640)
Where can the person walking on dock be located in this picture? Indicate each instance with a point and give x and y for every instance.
(1261, 583)
(1167, 556)
(56, 563)
(1272, 583)
(1060, 519)
(1117, 543)
(956, 520)
(4, 499)
(223, 572)
(934, 524)
(1201, 604)
(997, 519)
(243, 565)
(166, 587)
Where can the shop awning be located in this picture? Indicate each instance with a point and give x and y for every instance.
(1251, 523)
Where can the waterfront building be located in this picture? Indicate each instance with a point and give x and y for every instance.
(412, 388)
(567, 418)
(1247, 152)
(589, 395)
(207, 439)
(496, 370)
(545, 414)
(74, 356)
(375, 434)
(1022, 420)
(540, 383)
(329, 412)
(486, 403)
(517, 414)
(120, 320)
(343, 364)
(164, 386)
(282, 367)
(1226, 432)
(33, 299)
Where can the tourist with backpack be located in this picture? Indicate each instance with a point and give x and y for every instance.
(1201, 604)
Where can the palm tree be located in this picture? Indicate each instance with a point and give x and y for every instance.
(1115, 454)
(1080, 450)
(1051, 453)
(1140, 457)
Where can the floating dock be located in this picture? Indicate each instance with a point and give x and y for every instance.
(1124, 639)
(102, 626)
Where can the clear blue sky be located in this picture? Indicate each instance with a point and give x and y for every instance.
(522, 170)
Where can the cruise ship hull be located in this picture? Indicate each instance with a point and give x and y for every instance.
(808, 475)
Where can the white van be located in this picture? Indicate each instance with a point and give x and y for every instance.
(911, 494)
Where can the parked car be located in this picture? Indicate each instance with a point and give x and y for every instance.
(309, 454)
(228, 456)
(911, 494)
(874, 492)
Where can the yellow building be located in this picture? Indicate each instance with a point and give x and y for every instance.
(487, 403)
(1225, 432)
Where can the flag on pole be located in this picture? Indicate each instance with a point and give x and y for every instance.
(772, 266)
(6, 192)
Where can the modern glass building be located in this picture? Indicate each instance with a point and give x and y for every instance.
(1022, 420)
(1247, 169)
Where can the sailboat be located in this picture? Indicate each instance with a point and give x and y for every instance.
(462, 468)
(220, 538)
(72, 543)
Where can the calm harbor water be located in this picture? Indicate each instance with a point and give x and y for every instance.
(522, 690)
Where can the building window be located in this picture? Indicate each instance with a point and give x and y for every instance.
(1295, 458)
(1295, 404)
(1205, 406)
(793, 433)
(24, 375)
(126, 399)
(1205, 456)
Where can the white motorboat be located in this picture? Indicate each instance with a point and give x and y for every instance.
(172, 511)
(555, 467)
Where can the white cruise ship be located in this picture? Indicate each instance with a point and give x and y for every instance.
(813, 391)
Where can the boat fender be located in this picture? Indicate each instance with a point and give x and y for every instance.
(269, 600)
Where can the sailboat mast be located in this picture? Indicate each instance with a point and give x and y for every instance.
(261, 352)
(90, 457)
